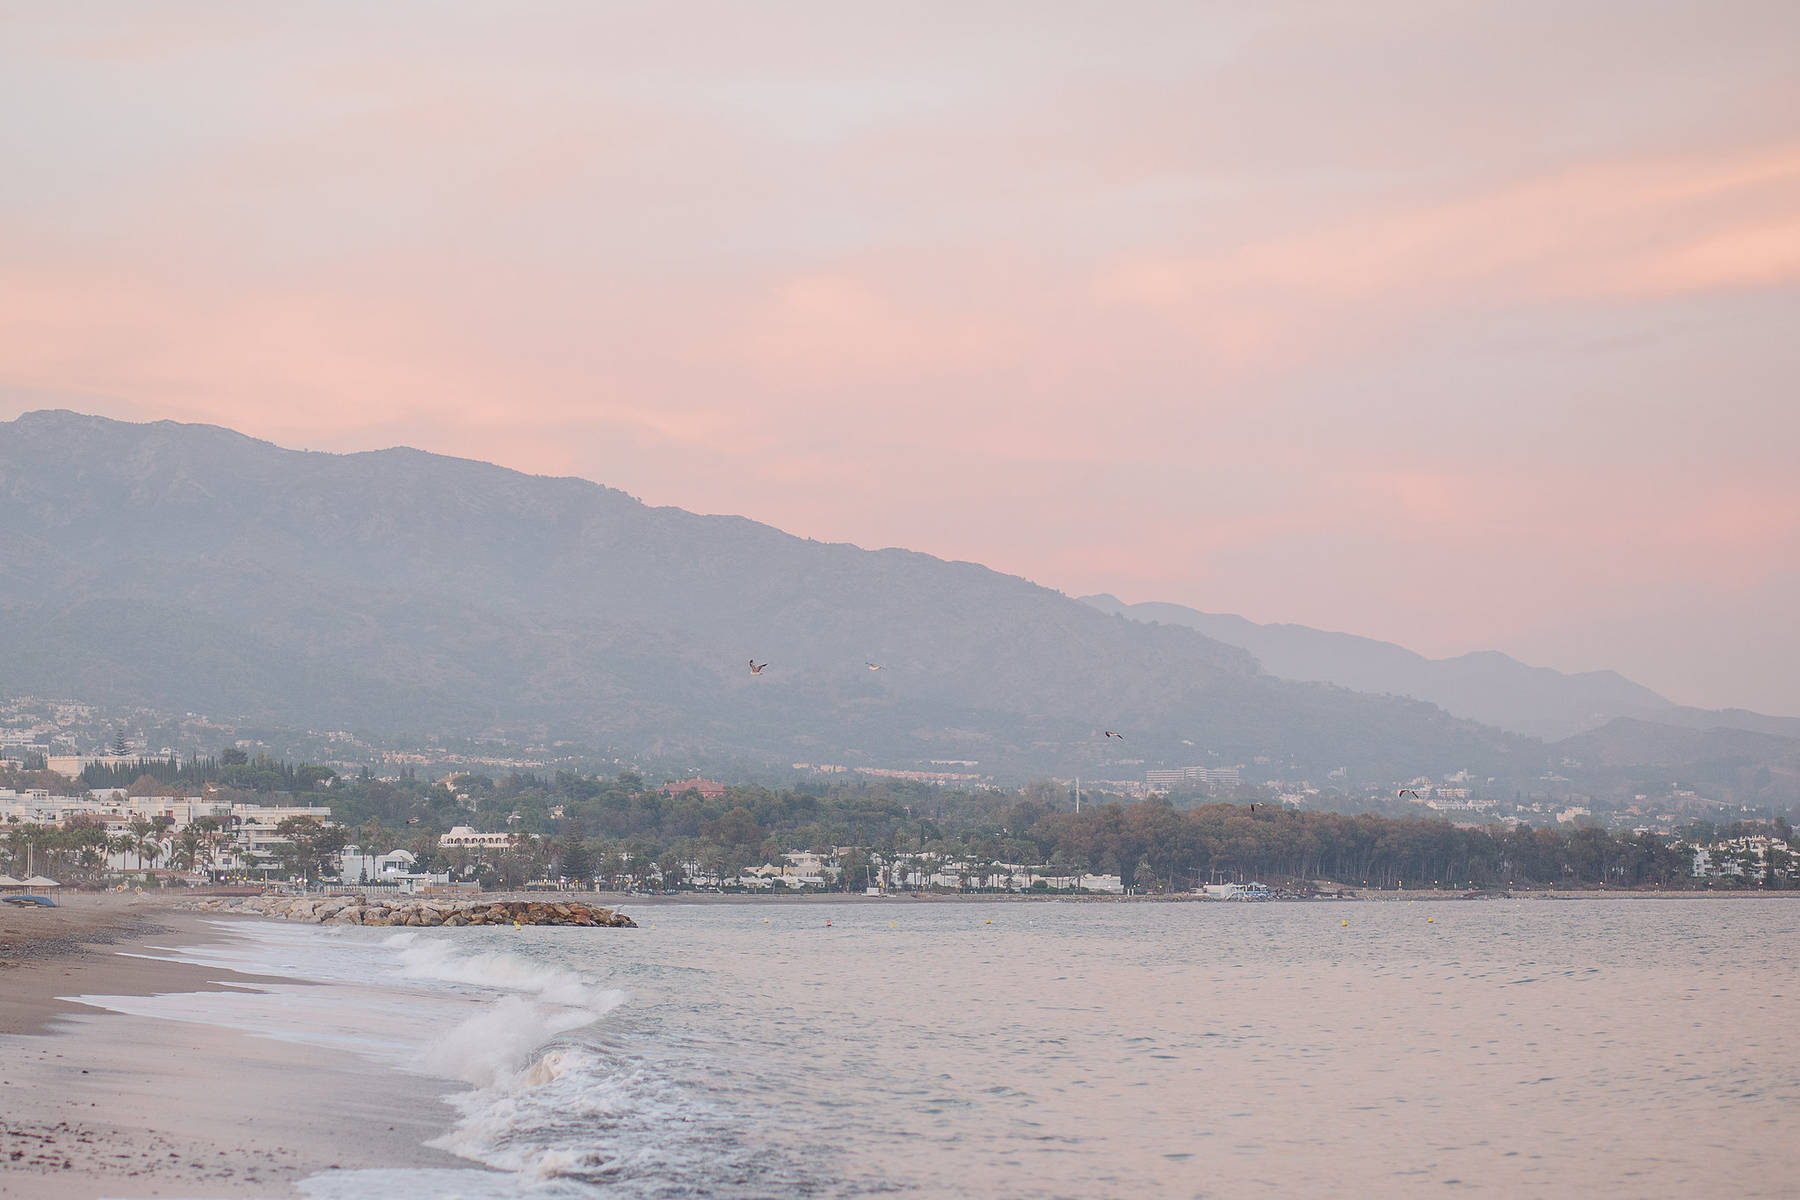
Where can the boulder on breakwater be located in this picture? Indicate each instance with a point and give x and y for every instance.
(421, 912)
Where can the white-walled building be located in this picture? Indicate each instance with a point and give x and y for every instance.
(466, 836)
(398, 868)
(1737, 858)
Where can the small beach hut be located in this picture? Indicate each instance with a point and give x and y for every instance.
(7, 881)
(38, 881)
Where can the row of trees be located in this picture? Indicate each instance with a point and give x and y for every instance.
(82, 844)
(618, 826)
(619, 829)
(1149, 845)
(231, 768)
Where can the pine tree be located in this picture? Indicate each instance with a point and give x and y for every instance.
(574, 862)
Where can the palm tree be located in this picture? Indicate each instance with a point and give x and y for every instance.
(121, 844)
(141, 829)
(1774, 860)
(16, 838)
(211, 838)
(147, 848)
(187, 849)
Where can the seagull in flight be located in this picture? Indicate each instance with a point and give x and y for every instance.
(1405, 792)
(1120, 736)
(757, 668)
(873, 666)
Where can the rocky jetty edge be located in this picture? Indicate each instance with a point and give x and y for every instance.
(426, 913)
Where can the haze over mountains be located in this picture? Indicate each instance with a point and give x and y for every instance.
(191, 568)
(1484, 686)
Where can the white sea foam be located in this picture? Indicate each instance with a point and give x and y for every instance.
(536, 1100)
(560, 1117)
(439, 960)
(487, 1049)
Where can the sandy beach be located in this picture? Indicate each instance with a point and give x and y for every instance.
(97, 1104)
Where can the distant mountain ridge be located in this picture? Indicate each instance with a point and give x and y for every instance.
(191, 568)
(1485, 686)
(1628, 743)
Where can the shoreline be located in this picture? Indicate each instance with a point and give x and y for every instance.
(86, 946)
(96, 1103)
(619, 901)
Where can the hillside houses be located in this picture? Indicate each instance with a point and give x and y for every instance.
(1754, 857)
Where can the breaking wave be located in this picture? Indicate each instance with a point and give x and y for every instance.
(551, 1099)
(489, 1048)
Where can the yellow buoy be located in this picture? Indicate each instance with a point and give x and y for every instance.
(1430, 920)
(1345, 924)
(990, 921)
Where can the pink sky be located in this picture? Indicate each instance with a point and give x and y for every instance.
(1466, 326)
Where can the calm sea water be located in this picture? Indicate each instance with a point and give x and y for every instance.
(1515, 1048)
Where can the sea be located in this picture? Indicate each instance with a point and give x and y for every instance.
(1506, 1047)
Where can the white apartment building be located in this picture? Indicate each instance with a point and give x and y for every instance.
(466, 836)
(1178, 777)
(34, 806)
(1735, 857)
(254, 824)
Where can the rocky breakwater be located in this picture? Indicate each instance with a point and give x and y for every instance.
(424, 913)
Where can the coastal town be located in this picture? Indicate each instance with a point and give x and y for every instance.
(123, 817)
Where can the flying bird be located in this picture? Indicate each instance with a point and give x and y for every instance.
(1255, 806)
(757, 668)
(1120, 736)
(1405, 792)
(873, 666)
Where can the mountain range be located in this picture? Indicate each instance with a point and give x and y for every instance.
(1485, 686)
(194, 569)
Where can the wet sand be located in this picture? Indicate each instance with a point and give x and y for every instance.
(97, 1104)
(71, 950)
